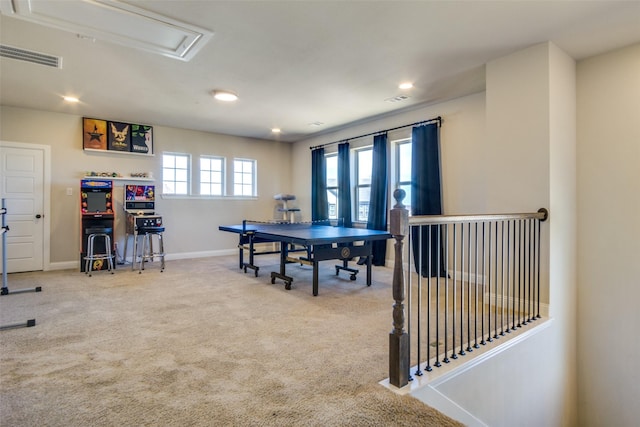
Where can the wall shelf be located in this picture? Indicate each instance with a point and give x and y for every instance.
(120, 178)
(121, 153)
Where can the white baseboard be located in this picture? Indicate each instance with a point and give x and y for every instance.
(75, 265)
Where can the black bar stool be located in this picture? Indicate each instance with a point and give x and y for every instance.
(147, 252)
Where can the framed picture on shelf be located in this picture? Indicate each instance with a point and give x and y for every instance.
(119, 136)
(142, 139)
(94, 134)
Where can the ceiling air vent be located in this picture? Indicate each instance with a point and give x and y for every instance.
(114, 21)
(30, 56)
(398, 98)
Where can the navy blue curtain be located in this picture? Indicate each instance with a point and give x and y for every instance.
(344, 185)
(377, 219)
(426, 197)
(319, 203)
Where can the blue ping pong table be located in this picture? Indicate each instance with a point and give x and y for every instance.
(313, 242)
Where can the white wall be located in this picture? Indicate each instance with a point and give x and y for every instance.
(191, 223)
(609, 238)
(528, 155)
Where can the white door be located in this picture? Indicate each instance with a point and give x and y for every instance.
(22, 189)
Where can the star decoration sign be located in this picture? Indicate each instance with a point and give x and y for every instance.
(94, 133)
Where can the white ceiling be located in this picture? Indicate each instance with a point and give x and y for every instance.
(294, 63)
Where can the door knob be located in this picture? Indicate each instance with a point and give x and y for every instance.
(38, 216)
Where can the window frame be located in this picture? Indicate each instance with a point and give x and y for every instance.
(253, 177)
(210, 171)
(175, 181)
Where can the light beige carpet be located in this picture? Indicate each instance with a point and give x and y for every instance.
(201, 344)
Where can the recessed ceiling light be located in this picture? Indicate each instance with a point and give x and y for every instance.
(70, 99)
(276, 130)
(224, 95)
(406, 85)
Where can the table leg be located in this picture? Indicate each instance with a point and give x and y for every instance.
(250, 264)
(315, 278)
(135, 250)
(284, 253)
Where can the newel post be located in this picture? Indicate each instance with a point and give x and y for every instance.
(398, 338)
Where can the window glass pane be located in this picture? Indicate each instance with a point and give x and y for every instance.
(168, 174)
(216, 177)
(168, 187)
(181, 162)
(332, 199)
(216, 189)
(168, 161)
(404, 162)
(364, 196)
(407, 198)
(332, 171)
(365, 159)
(181, 175)
(181, 188)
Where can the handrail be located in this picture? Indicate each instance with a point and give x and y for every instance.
(510, 297)
(542, 215)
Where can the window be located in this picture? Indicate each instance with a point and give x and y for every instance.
(402, 176)
(175, 173)
(211, 176)
(363, 166)
(244, 177)
(332, 184)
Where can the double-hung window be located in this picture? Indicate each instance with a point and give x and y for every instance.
(332, 184)
(363, 165)
(175, 173)
(212, 176)
(244, 177)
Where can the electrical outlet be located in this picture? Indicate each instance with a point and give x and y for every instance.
(69, 191)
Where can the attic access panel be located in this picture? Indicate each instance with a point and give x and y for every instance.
(114, 21)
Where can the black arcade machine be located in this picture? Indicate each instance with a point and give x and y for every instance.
(96, 205)
(139, 205)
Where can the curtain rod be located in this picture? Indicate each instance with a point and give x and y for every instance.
(423, 122)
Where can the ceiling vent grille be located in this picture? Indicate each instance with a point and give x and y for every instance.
(30, 56)
(398, 98)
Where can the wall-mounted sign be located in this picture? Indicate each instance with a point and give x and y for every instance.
(116, 136)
